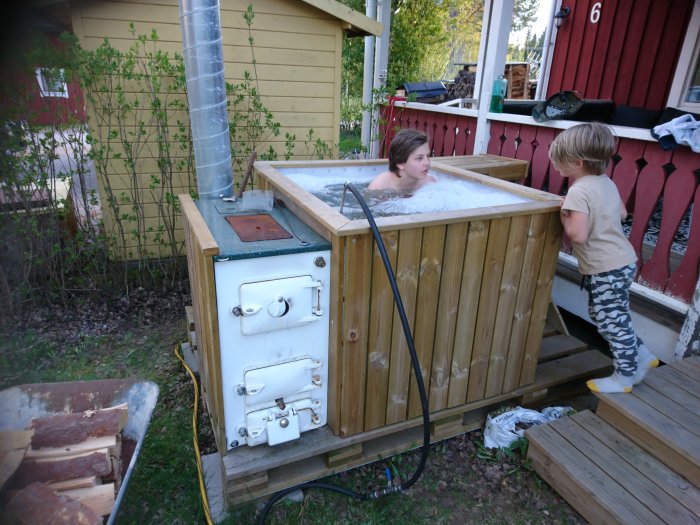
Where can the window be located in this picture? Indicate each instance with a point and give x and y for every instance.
(51, 82)
(692, 93)
(685, 90)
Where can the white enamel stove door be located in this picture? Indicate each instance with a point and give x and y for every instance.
(279, 404)
(279, 303)
(273, 333)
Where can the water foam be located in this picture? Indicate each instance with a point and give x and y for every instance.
(447, 194)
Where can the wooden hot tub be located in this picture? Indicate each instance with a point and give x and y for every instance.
(475, 283)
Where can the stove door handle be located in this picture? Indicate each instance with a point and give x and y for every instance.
(246, 311)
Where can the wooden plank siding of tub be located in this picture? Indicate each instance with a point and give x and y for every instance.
(380, 329)
(358, 253)
(532, 259)
(335, 335)
(510, 282)
(448, 306)
(407, 274)
(472, 272)
(468, 291)
(424, 333)
(543, 296)
(494, 263)
(201, 248)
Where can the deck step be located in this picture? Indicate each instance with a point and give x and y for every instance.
(606, 477)
(560, 345)
(661, 415)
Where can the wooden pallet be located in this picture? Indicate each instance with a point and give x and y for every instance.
(253, 472)
(637, 461)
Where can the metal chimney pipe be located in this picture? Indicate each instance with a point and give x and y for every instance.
(206, 92)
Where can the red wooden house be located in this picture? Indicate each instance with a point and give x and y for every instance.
(640, 61)
(624, 50)
(39, 92)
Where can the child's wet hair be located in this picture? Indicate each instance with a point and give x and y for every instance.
(402, 145)
(591, 142)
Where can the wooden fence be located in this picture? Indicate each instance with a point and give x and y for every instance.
(650, 180)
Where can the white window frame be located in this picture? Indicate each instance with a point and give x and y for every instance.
(45, 88)
(687, 60)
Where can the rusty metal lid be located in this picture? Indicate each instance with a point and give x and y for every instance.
(260, 227)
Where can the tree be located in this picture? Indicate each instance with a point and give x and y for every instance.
(420, 41)
(425, 34)
(524, 13)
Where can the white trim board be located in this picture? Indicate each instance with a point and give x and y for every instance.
(660, 338)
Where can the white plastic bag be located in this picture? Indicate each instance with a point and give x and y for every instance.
(552, 413)
(501, 431)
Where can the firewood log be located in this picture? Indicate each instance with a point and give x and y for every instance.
(68, 429)
(75, 483)
(37, 505)
(90, 444)
(99, 498)
(95, 463)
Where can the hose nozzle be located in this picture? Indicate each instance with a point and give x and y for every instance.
(342, 199)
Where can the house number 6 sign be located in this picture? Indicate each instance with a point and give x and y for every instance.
(595, 12)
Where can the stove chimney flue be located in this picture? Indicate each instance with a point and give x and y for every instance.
(206, 91)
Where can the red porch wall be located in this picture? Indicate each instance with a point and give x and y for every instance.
(447, 134)
(646, 176)
(628, 56)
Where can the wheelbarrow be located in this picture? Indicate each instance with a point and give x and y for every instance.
(20, 404)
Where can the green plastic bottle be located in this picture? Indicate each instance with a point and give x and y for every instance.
(498, 94)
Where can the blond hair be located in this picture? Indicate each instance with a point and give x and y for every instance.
(591, 142)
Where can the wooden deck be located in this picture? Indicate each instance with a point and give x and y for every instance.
(637, 459)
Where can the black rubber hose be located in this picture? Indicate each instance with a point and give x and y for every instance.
(416, 369)
(407, 334)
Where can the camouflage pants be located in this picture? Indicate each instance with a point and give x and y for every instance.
(609, 308)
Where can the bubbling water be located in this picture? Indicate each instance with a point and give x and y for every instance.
(448, 193)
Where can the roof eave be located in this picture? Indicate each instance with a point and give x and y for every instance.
(354, 22)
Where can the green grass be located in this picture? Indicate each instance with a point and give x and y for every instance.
(164, 489)
(350, 141)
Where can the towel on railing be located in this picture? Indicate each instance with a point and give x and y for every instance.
(681, 130)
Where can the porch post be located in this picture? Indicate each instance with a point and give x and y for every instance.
(498, 17)
(689, 339)
(381, 62)
(367, 79)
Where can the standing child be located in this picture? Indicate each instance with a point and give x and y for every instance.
(591, 214)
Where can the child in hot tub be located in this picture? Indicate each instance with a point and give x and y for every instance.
(409, 163)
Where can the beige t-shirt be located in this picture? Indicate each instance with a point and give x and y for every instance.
(606, 248)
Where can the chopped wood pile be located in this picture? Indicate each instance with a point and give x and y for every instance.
(516, 73)
(65, 469)
(517, 76)
(463, 86)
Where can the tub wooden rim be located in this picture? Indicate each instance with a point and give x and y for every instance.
(337, 224)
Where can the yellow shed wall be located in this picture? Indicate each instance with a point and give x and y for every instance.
(297, 50)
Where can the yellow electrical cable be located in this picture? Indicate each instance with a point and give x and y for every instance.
(195, 440)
